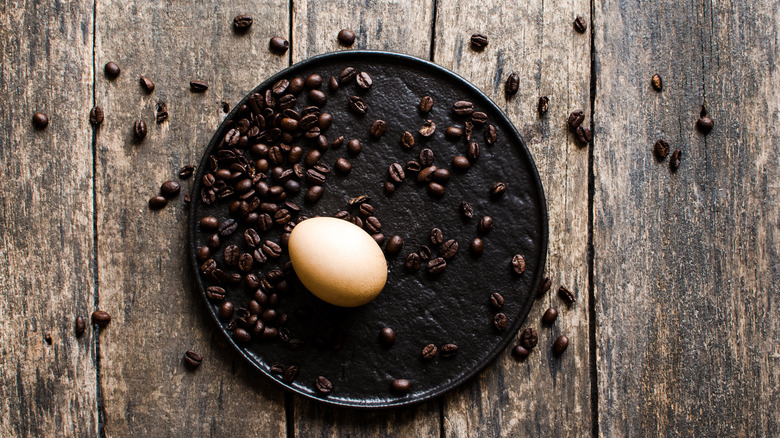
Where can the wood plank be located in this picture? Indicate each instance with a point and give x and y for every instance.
(686, 263)
(47, 375)
(145, 282)
(543, 395)
(377, 26)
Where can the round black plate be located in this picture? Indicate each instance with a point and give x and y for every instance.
(454, 307)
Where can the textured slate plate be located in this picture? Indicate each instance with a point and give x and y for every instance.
(341, 344)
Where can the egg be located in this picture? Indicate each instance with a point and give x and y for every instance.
(337, 261)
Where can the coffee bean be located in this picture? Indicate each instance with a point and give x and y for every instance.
(436, 266)
(396, 172)
(453, 132)
(378, 128)
(496, 300)
(313, 194)
(436, 236)
(209, 223)
(661, 149)
(157, 202)
(477, 246)
(544, 287)
(426, 104)
(448, 351)
(313, 81)
(460, 162)
(112, 70)
(566, 295)
(485, 224)
(241, 336)
(401, 386)
(413, 166)
(227, 227)
(242, 22)
(436, 190)
(317, 97)
(192, 359)
(186, 171)
(358, 200)
(101, 318)
(674, 162)
(543, 105)
(389, 188)
(518, 264)
(347, 75)
(425, 253)
(245, 262)
(427, 129)
(214, 241)
(346, 37)
(199, 86)
(529, 338)
(278, 45)
(139, 129)
(343, 166)
(576, 118)
(512, 85)
(323, 385)
(231, 255)
(204, 252)
(479, 41)
(373, 225)
(170, 189)
(705, 123)
(580, 25)
(500, 322)
(394, 245)
(463, 108)
(584, 135)
(490, 134)
(333, 83)
(364, 81)
(429, 352)
(366, 209)
(478, 118)
(466, 210)
(473, 151)
(656, 82)
(81, 326)
(226, 310)
(325, 121)
(412, 262)
(96, 116)
(549, 317)
(387, 336)
(560, 345)
(215, 293)
(290, 373)
(357, 105)
(497, 189)
(40, 120)
(146, 84)
(519, 352)
(407, 140)
(468, 128)
(272, 249)
(448, 249)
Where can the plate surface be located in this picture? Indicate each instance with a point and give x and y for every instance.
(453, 307)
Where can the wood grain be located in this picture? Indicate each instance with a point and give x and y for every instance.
(686, 263)
(47, 374)
(543, 395)
(145, 281)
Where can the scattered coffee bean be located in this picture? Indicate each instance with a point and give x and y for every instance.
(485, 224)
(101, 318)
(199, 86)
(192, 359)
(241, 336)
(412, 262)
(396, 172)
(401, 386)
(436, 266)
(580, 25)
(453, 132)
(394, 245)
(473, 151)
(512, 85)
(112, 70)
(477, 247)
(278, 45)
(407, 140)
(576, 118)
(215, 293)
(357, 105)
(40, 120)
(549, 317)
(170, 189)
(343, 166)
(226, 311)
(466, 210)
(209, 223)
(323, 385)
(162, 112)
(96, 116)
(496, 300)
(518, 264)
(378, 128)
(389, 188)
(584, 135)
(543, 105)
(347, 75)
(519, 352)
(428, 128)
(435, 189)
(500, 322)
(157, 202)
(544, 286)
(364, 80)
(387, 336)
(463, 108)
(566, 295)
(139, 129)
(497, 189)
(460, 162)
(560, 345)
(479, 41)
(426, 104)
(146, 84)
(674, 162)
(705, 123)
(436, 236)
(529, 338)
(425, 253)
(478, 118)
(317, 97)
(656, 82)
(429, 352)
(346, 37)
(448, 249)
(661, 149)
(81, 326)
(448, 351)
(242, 22)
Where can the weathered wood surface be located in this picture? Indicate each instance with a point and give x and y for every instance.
(686, 263)
(145, 282)
(543, 395)
(47, 375)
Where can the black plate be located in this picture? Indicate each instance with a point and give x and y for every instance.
(341, 344)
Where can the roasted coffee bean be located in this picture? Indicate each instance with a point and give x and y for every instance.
(277, 368)
(518, 264)
(139, 129)
(544, 287)
(269, 333)
(356, 104)
(146, 84)
(272, 249)
(214, 241)
(199, 86)
(315, 177)
(378, 128)
(227, 227)
(323, 385)
(705, 123)
(407, 140)
(674, 162)
(497, 189)
(429, 352)
(312, 158)
(186, 171)
(436, 236)
(543, 105)
(412, 262)
(81, 326)
(278, 45)
(333, 83)
(529, 338)
(96, 116)
(479, 41)
(231, 255)
(226, 310)
(208, 267)
(401, 386)
(460, 162)
(347, 75)
(426, 104)
(519, 352)
(425, 253)
(473, 151)
(252, 282)
(490, 134)
(357, 200)
(584, 135)
(427, 129)
(357, 221)
(101, 318)
(549, 317)
(192, 359)
(566, 295)
(112, 70)
(436, 266)
(313, 194)
(580, 25)
(656, 82)
(325, 121)
(317, 97)
(366, 209)
(478, 118)
(170, 189)
(661, 149)
(448, 351)
(288, 124)
(435, 189)
(560, 345)
(242, 22)
(389, 188)
(468, 128)
(346, 37)
(576, 118)
(245, 262)
(466, 210)
(343, 166)
(354, 147)
(373, 225)
(379, 238)
(413, 166)
(313, 81)
(241, 336)
(157, 202)
(204, 252)
(387, 336)
(453, 132)
(364, 81)
(463, 108)
(448, 249)
(396, 172)
(215, 293)
(512, 85)
(499, 322)
(264, 222)
(496, 300)
(394, 245)
(485, 224)
(282, 216)
(426, 157)
(290, 373)
(477, 246)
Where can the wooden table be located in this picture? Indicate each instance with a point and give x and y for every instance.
(676, 331)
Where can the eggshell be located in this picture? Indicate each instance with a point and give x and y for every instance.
(337, 261)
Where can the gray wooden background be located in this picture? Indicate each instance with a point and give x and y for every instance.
(677, 328)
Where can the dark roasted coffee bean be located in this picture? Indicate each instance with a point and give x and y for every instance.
(313, 81)
(170, 189)
(112, 70)
(186, 171)
(448, 249)
(245, 262)
(214, 241)
(373, 225)
(426, 157)
(366, 209)
(519, 352)
(412, 262)
(497, 189)
(317, 97)
(208, 267)
(436, 236)
(543, 105)
(529, 338)
(288, 124)
(146, 84)
(272, 249)
(429, 352)
(347, 75)
(226, 310)
(357, 105)
(394, 245)
(490, 134)
(705, 123)
(477, 246)
(401, 386)
(379, 238)
(413, 166)
(499, 322)
(435, 189)
(81, 326)
(215, 293)
(199, 86)
(396, 172)
(473, 151)
(674, 162)
(204, 252)
(544, 287)
(661, 149)
(364, 81)
(278, 45)
(463, 108)
(576, 118)
(295, 86)
(96, 116)
(485, 224)
(460, 162)
(162, 113)
(389, 188)
(656, 82)
(101, 318)
(231, 254)
(227, 227)
(549, 317)
(290, 373)
(584, 135)
(343, 166)
(333, 83)
(192, 359)
(357, 221)
(448, 351)
(357, 200)
(346, 37)
(512, 85)
(496, 300)
(354, 147)
(157, 202)
(378, 128)
(453, 132)
(323, 385)
(325, 121)
(468, 128)
(436, 266)
(466, 210)
(139, 129)
(315, 177)
(312, 158)
(241, 336)
(242, 22)
(425, 253)
(313, 194)
(426, 104)
(580, 25)
(518, 264)
(560, 345)
(566, 295)
(387, 336)
(427, 129)
(407, 140)
(479, 41)
(277, 368)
